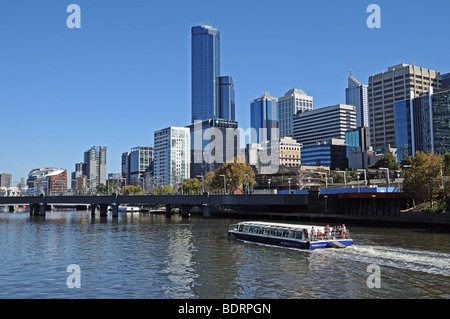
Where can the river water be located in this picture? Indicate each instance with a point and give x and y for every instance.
(150, 256)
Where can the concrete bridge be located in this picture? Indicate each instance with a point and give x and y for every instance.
(39, 204)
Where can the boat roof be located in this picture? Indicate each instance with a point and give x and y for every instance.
(282, 225)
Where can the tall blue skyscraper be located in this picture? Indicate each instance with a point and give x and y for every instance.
(226, 98)
(356, 95)
(205, 72)
(263, 118)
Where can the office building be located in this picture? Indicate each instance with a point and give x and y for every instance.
(360, 139)
(291, 103)
(445, 81)
(422, 124)
(332, 153)
(5, 180)
(95, 166)
(389, 87)
(264, 119)
(137, 164)
(49, 180)
(227, 102)
(356, 95)
(205, 44)
(213, 143)
(172, 152)
(274, 154)
(331, 122)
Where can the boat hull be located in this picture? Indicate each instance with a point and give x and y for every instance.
(293, 243)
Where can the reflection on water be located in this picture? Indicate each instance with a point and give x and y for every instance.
(147, 256)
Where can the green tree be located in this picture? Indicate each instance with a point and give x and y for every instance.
(162, 190)
(387, 161)
(234, 176)
(192, 185)
(133, 190)
(424, 180)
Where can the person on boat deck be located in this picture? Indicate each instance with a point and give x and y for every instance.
(313, 233)
(344, 228)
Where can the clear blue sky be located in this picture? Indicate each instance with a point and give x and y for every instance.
(126, 72)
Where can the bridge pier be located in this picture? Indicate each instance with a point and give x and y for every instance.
(93, 208)
(103, 210)
(185, 211)
(115, 210)
(168, 210)
(11, 208)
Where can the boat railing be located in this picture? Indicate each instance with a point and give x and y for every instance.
(332, 235)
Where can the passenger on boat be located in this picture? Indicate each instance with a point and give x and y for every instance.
(313, 233)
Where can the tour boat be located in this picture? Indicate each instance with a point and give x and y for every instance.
(291, 235)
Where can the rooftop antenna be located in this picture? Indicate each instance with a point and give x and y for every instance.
(351, 70)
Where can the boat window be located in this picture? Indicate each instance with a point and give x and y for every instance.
(291, 234)
(266, 231)
(241, 227)
(285, 233)
(245, 229)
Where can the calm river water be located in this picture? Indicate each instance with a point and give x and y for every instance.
(147, 256)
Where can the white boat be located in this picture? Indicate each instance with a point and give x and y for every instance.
(291, 235)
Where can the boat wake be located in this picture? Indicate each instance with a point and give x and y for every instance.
(408, 259)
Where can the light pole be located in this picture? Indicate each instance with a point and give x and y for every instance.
(365, 175)
(203, 184)
(345, 176)
(143, 186)
(248, 190)
(326, 179)
(289, 183)
(224, 184)
(357, 177)
(387, 172)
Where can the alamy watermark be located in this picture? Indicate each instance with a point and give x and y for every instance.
(74, 279)
(374, 19)
(74, 19)
(374, 279)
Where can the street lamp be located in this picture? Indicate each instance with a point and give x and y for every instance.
(224, 184)
(203, 184)
(326, 179)
(345, 176)
(365, 175)
(289, 183)
(387, 171)
(269, 184)
(248, 190)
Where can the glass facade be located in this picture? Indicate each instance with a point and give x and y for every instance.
(441, 121)
(263, 119)
(356, 95)
(403, 129)
(226, 98)
(205, 72)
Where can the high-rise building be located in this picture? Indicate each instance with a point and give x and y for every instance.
(139, 161)
(293, 101)
(213, 143)
(95, 166)
(172, 152)
(227, 102)
(322, 124)
(422, 124)
(205, 43)
(445, 78)
(5, 180)
(356, 95)
(389, 87)
(332, 153)
(212, 94)
(264, 119)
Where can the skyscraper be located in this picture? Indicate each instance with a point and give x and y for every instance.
(331, 122)
(389, 87)
(226, 98)
(356, 95)
(212, 94)
(205, 72)
(172, 152)
(264, 118)
(95, 166)
(293, 101)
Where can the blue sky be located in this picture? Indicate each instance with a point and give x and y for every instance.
(126, 72)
